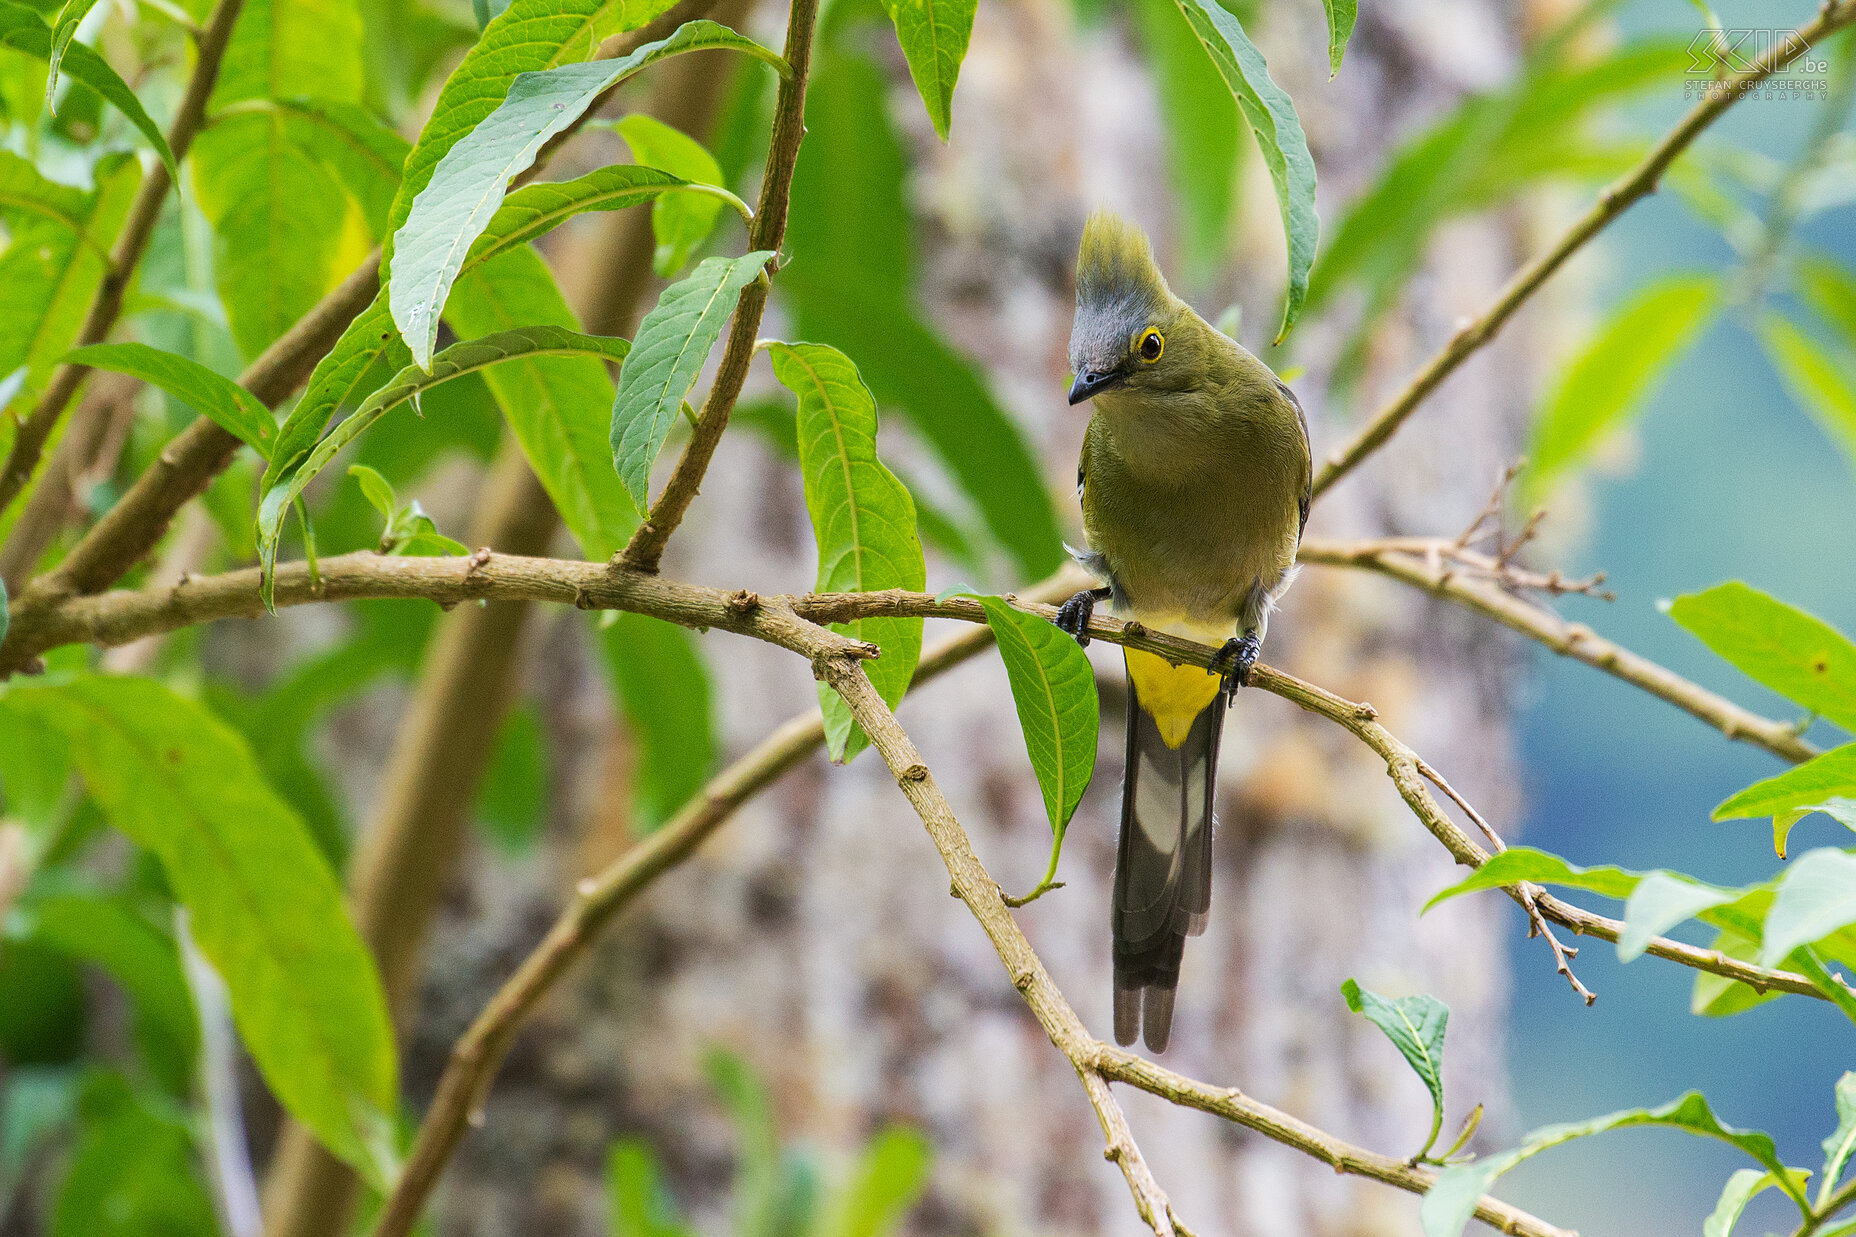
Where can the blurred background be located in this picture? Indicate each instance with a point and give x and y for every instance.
(800, 1018)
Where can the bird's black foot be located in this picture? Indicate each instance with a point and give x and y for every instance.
(1074, 615)
(1235, 659)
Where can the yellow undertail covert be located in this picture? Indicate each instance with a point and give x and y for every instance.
(1173, 696)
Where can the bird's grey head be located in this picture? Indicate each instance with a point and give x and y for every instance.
(1120, 296)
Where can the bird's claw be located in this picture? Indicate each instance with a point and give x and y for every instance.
(1073, 615)
(1234, 660)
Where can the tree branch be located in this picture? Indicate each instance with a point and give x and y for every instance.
(1095, 1062)
(646, 548)
(1574, 640)
(1614, 201)
(131, 242)
(479, 1053)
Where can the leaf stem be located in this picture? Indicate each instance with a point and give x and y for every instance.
(768, 231)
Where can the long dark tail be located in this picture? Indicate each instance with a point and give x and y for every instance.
(1163, 869)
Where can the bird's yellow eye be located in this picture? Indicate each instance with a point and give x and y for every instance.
(1151, 345)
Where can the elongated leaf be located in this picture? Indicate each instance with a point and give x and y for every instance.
(467, 185)
(406, 387)
(266, 909)
(1452, 1200)
(1810, 964)
(71, 14)
(1660, 901)
(657, 670)
(1058, 712)
(59, 252)
(1608, 379)
(934, 35)
(1830, 290)
(1415, 1025)
(889, 1178)
(680, 222)
(24, 30)
(1279, 137)
(1820, 384)
(1825, 783)
(231, 407)
(640, 1202)
(1816, 897)
(848, 285)
(340, 379)
(673, 341)
(1524, 863)
(103, 930)
(1796, 654)
(559, 407)
(1341, 16)
(1741, 1189)
(361, 152)
(862, 518)
(1842, 1141)
(527, 36)
(133, 1169)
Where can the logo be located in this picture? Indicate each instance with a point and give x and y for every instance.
(1716, 51)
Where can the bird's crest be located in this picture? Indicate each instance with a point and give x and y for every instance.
(1116, 266)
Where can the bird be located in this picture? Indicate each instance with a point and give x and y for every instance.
(1194, 482)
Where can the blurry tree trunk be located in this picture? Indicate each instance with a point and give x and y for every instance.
(815, 936)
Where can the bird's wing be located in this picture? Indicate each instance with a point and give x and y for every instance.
(1308, 457)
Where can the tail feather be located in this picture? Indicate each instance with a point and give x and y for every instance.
(1163, 869)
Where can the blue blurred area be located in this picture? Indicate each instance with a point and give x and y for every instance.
(1732, 480)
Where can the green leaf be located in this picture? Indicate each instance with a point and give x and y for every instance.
(862, 518)
(680, 222)
(224, 402)
(131, 1172)
(1341, 15)
(1054, 691)
(467, 185)
(673, 342)
(933, 35)
(1737, 1193)
(527, 36)
(340, 380)
(379, 492)
(23, 30)
(1716, 996)
(59, 252)
(1797, 655)
(406, 387)
(656, 669)
(1415, 1025)
(1818, 382)
(514, 791)
(1452, 1200)
(848, 285)
(103, 930)
(1660, 901)
(1842, 1142)
(361, 152)
(1524, 863)
(640, 1203)
(890, 1177)
(1609, 377)
(266, 909)
(536, 209)
(1810, 964)
(559, 407)
(64, 28)
(757, 1153)
(1816, 897)
(1829, 288)
(1825, 783)
(1279, 137)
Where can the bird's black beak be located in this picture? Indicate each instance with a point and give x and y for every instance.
(1089, 383)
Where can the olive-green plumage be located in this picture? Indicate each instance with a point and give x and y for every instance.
(1195, 484)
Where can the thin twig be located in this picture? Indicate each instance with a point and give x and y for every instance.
(1613, 202)
(768, 232)
(106, 306)
(1574, 640)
